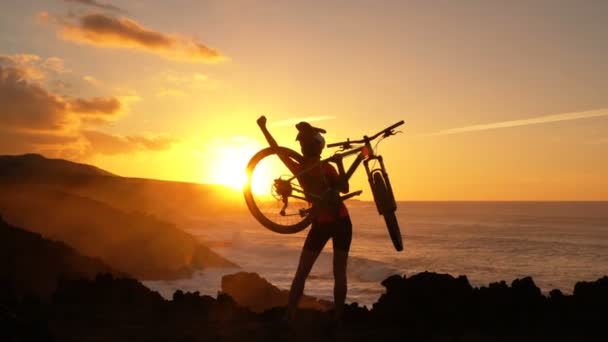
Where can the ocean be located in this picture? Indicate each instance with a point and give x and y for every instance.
(556, 243)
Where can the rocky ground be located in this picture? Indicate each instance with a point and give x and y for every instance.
(49, 292)
(426, 306)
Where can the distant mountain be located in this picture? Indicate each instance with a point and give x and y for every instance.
(34, 166)
(123, 221)
(34, 264)
(172, 201)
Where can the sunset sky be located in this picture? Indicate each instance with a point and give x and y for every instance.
(503, 100)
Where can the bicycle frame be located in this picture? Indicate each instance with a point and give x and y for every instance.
(365, 154)
(298, 185)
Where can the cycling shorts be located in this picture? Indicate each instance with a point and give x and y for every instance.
(339, 230)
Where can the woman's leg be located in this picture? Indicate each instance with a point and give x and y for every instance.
(340, 283)
(307, 260)
(315, 241)
(341, 241)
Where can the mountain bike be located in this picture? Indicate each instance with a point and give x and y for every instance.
(282, 205)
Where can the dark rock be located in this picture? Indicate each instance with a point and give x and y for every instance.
(256, 293)
(428, 306)
(424, 303)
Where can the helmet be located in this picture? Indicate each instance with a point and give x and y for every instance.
(311, 138)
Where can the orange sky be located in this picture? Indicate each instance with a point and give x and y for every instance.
(502, 100)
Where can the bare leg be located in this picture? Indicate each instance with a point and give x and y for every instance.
(340, 261)
(307, 260)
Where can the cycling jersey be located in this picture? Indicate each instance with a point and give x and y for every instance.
(318, 179)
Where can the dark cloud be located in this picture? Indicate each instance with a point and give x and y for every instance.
(27, 105)
(35, 119)
(96, 4)
(99, 27)
(105, 143)
(96, 105)
(107, 31)
(96, 110)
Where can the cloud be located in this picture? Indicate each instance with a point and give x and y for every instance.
(35, 119)
(27, 105)
(21, 59)
(91, 80)
(54, 64)
(96, 105)
(179, 84)
(96, 4)
(59, 86)
(105, 143)
(97, 109)
(296, 120)
(106, 31)
(526, 122)
(33, 67)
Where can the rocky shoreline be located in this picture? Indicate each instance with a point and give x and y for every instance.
(425, 306)
(49, 292)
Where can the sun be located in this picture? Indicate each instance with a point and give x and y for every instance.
(230, 172)
(226, 163)
(229, 166)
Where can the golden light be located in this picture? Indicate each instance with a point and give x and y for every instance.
(262, 179)
(230, 172)
(226, 162)
(228, 166)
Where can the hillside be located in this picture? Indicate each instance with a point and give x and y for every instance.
(133, 242)
(34, 264)
(123, 221)
(36, 167)
(172, 201)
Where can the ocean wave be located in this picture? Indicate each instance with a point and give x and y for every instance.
(369, 270)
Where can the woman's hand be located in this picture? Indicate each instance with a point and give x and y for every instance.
(261, 121)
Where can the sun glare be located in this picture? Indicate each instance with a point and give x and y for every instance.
(227, 163)
(230, 172)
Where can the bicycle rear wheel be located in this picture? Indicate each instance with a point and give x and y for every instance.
(386, 207)
(275, 202)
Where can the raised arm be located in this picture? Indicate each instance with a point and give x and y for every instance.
(291, 164)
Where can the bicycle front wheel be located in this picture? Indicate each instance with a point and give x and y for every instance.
(276, 201)
(385, 202)
(393, 230)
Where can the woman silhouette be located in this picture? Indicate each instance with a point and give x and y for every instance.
(331, 219)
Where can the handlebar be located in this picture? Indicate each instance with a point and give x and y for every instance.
(386, 132)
